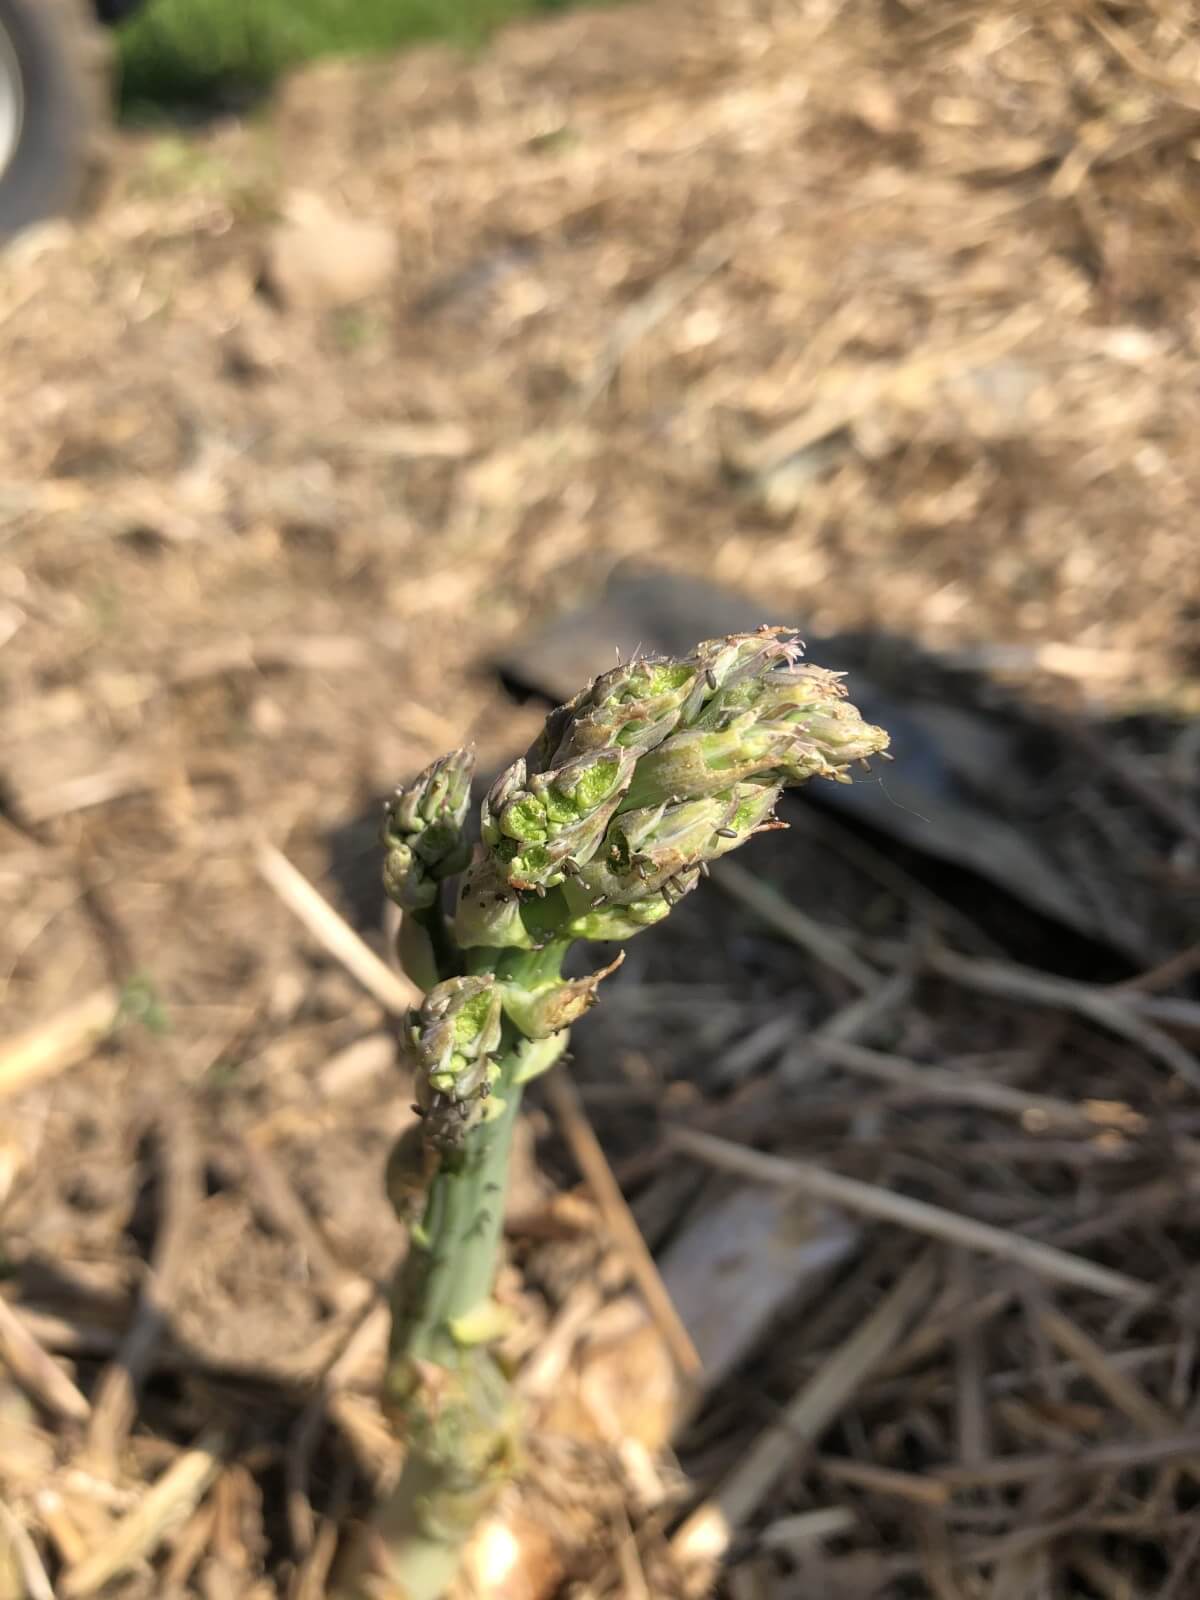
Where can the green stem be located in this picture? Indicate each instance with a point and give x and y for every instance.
(444, 1388)
(445, 953)
(426, 951)
(451, 1261)
(445, 1391)
(449, 1397)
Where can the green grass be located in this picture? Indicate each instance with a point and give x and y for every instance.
(205, 51)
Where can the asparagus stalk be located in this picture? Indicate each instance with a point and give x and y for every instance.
(651, 772)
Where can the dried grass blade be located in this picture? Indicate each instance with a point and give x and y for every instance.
(394, 992)
(169, 1502)
(52, 1047)
(918, 1215)
(706, 1534)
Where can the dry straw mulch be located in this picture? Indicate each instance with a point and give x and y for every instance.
(888, 313)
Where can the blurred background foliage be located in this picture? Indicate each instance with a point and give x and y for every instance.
(203, 53)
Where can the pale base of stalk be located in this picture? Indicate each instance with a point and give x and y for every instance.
(419, 1567)
(420, 1531)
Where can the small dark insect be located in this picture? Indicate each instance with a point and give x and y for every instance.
(710, 678)
(726, 833)
(570, 867)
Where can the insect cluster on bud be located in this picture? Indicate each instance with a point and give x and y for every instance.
(451, 1041)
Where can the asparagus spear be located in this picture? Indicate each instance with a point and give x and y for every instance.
(651, 772)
